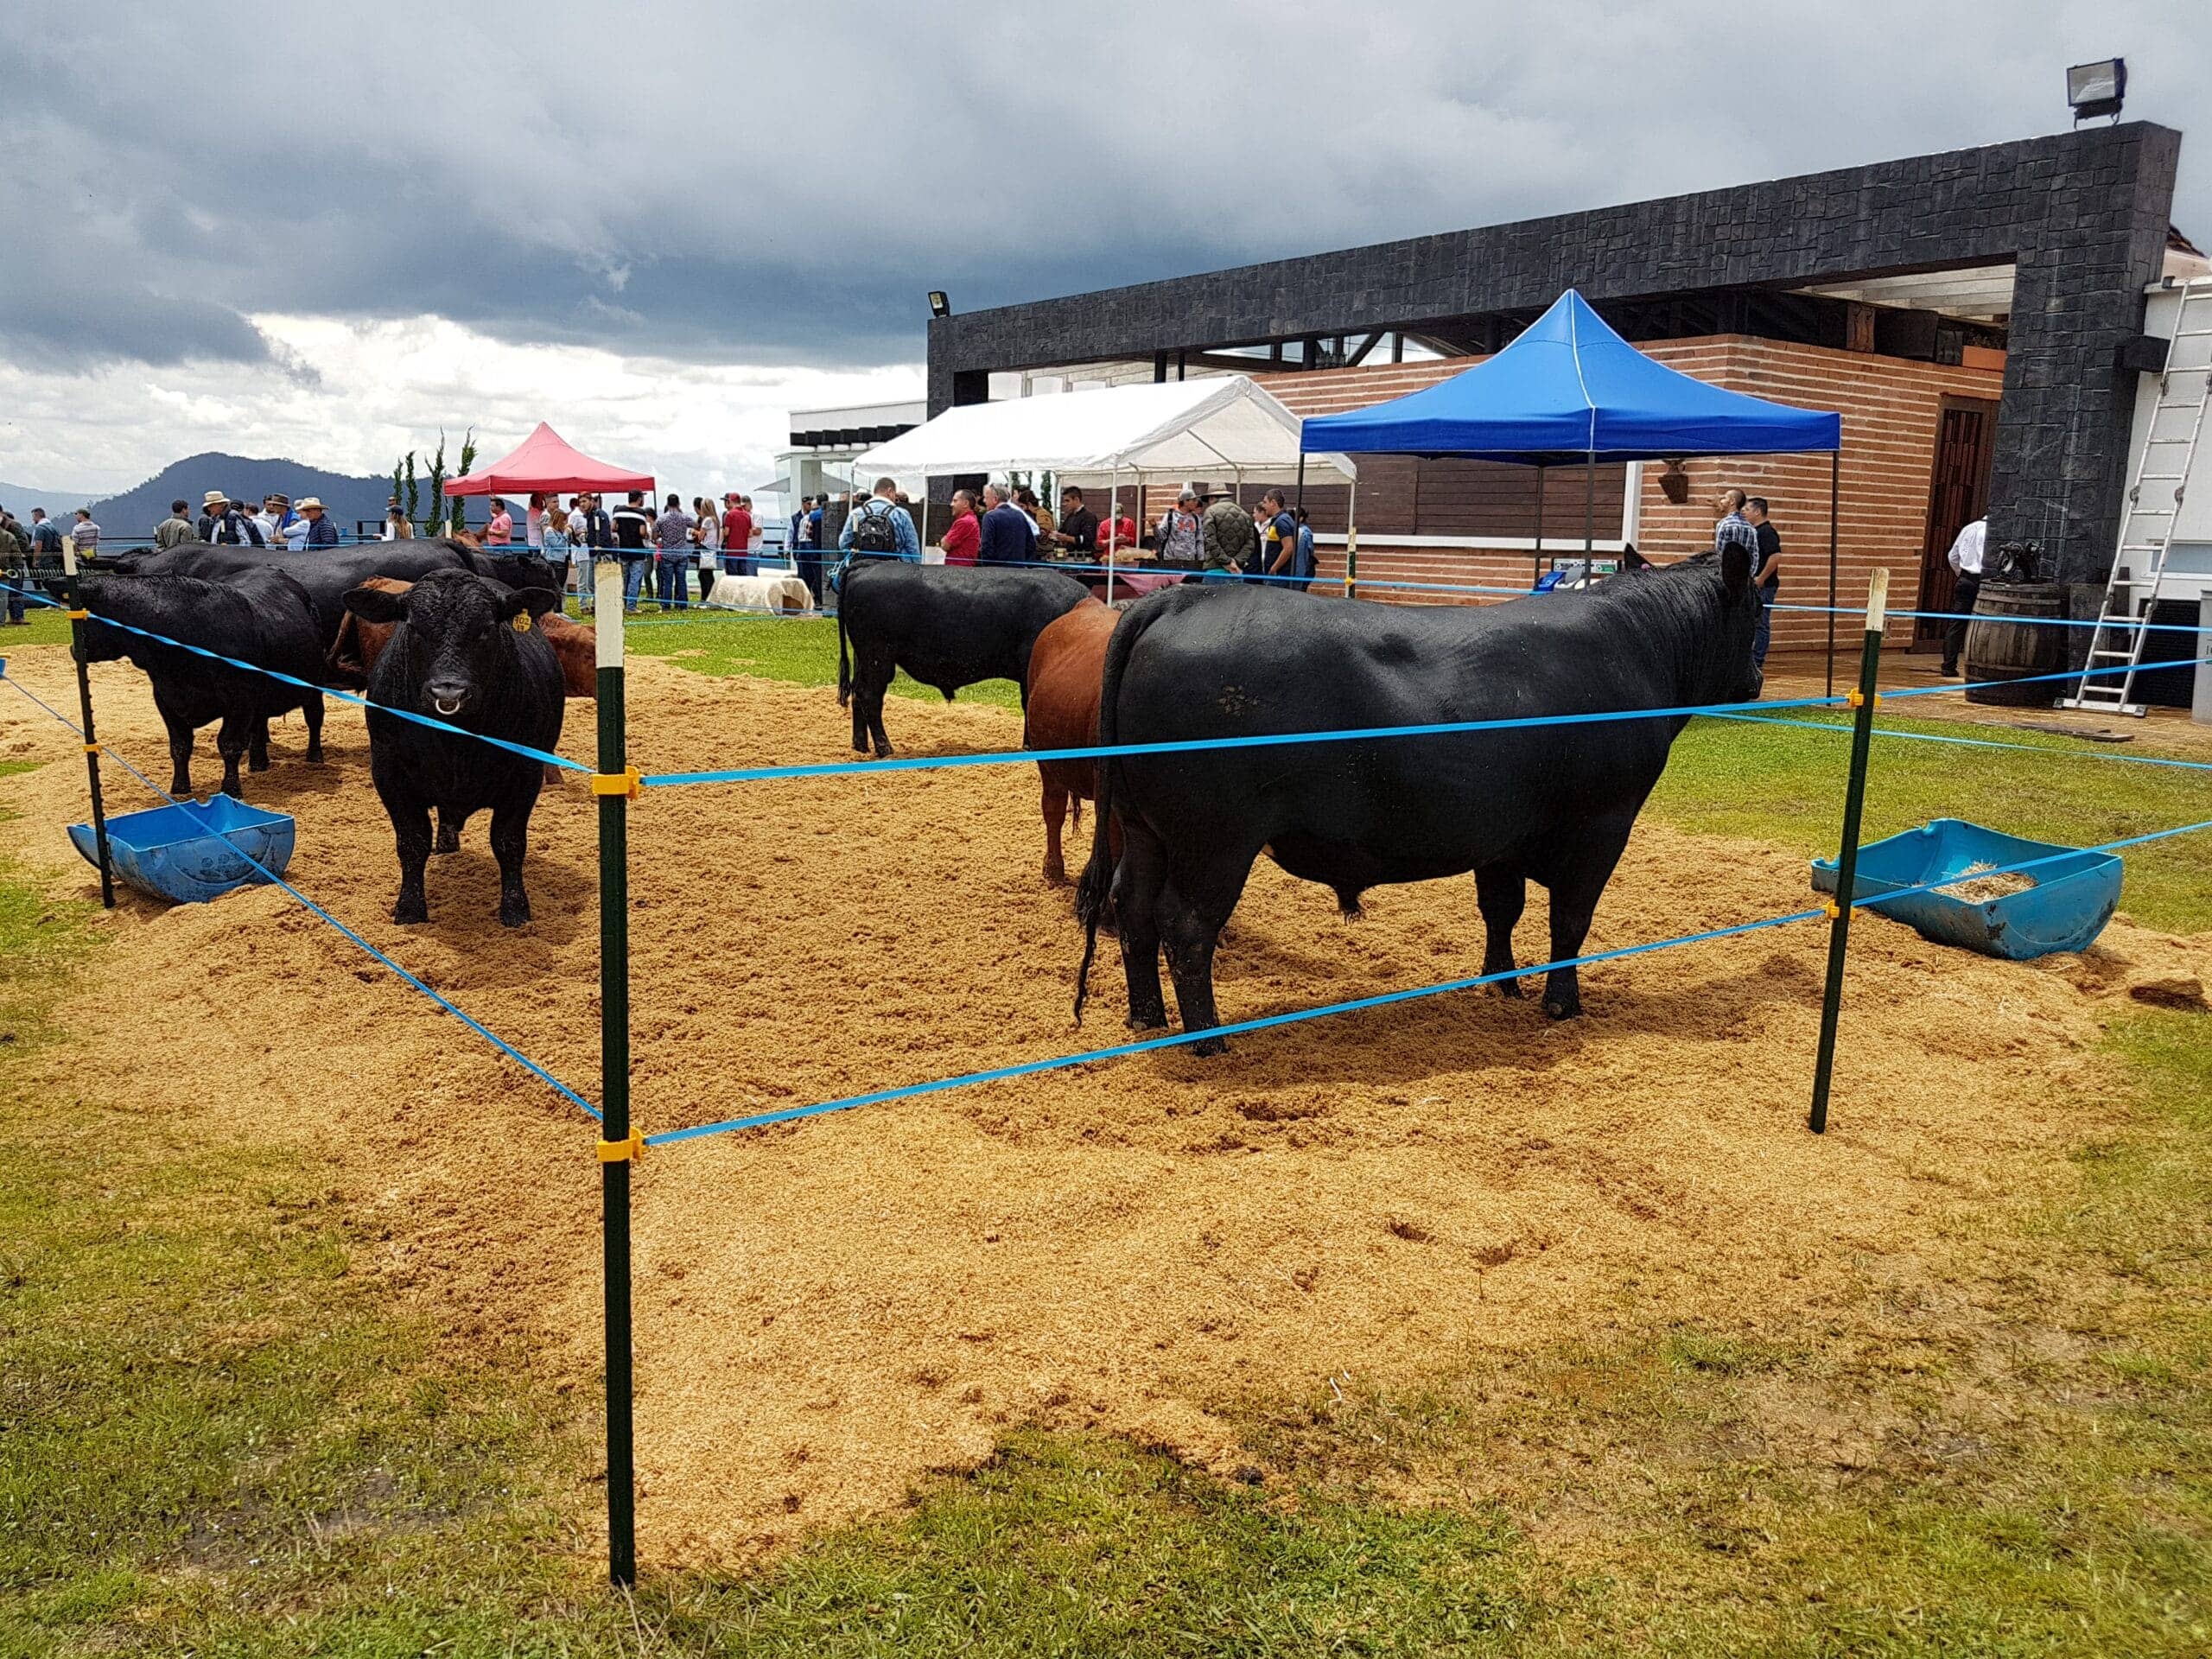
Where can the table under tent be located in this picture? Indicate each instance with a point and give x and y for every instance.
(1175, 431)
(1566, 391)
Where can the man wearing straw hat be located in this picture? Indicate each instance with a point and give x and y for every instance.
(321, 531)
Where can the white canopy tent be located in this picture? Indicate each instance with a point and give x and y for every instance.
(1174, 430)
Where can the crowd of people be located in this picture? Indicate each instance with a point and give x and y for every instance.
(665, 549)
(1206, 533)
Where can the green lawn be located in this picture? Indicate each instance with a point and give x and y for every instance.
(43, 625)
(217, 1436)
(803, 651)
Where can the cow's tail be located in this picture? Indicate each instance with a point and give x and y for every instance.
(844, 663)
(1096, 885)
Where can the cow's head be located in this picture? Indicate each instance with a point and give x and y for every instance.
(522, 569)
(451, 634)
(101, 645)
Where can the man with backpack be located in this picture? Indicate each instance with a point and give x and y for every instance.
(223, 525)
(879, 528)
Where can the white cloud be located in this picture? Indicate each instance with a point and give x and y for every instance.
(748, 185)
(381, 387)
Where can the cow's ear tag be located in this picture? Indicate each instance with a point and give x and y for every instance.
(522, 622)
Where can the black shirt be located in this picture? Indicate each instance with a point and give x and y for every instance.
(633, 528)
(1082, 525)
(1770, 544)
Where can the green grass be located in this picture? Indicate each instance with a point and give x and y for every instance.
(803, 652)
(43, 625)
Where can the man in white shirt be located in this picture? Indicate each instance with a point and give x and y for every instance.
(1966, 560)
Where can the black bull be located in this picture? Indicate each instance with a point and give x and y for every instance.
(1548, 804)
(946, 625)
(329, 574)
(262, 617)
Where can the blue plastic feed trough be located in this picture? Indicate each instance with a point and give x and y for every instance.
(192, 852)
(2065, 908)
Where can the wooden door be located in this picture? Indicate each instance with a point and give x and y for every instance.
(1966, 432)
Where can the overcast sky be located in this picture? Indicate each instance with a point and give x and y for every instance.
(326, 229)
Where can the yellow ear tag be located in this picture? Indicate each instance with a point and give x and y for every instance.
(522, 622)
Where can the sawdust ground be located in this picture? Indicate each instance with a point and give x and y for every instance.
(827, 1310)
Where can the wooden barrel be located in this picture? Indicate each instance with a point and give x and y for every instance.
(2004, 642)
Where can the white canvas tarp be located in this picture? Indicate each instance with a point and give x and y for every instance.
(1224, 428)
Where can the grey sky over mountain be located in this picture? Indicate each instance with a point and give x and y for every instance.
(762, 194)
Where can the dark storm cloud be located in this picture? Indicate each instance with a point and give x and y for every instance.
(733, 186)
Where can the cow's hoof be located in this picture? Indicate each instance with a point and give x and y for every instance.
(516, 914)
(449, 841)
(314, 755)
(1509, 988)
(407, 914)
(1569, 1009)
(256, 763)
(1210, 1048)
(1056, 875)
(1149, 1022)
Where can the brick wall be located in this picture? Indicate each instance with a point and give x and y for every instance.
(1890, 408)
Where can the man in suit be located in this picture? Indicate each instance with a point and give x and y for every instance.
(1008, 534)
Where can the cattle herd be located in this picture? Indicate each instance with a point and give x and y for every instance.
(436, 627)
(474, 641)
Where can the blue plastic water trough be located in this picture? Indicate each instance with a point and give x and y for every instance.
(191, 853)
(2065, 910)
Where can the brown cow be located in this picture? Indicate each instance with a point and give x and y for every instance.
(1067, 667)
(359, 644)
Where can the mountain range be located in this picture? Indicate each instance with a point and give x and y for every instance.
(20, 498)
(135, 512)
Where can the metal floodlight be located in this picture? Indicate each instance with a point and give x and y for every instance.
(2097, 88)
(939, 306)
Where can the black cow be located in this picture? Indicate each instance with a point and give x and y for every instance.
(947, 626)
(1551, 804)
(261, 617)
(329, 574)
(470, 655)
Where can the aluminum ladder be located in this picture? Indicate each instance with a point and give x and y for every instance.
(2154, 500)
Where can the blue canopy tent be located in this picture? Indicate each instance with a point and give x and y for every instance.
(1569, 389)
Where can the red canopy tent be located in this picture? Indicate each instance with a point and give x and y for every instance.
(546, 461)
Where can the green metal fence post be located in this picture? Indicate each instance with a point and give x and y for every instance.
(1847, 863)
(77, 618)
(619, 1145)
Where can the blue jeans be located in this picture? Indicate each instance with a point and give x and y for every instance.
(1765, 629)
(673, 577)
(633, 578)
(16, 585)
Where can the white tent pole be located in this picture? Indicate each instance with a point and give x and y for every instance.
(1112, 516)
(1351, 539)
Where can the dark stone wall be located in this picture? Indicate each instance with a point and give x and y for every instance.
(2083, 215)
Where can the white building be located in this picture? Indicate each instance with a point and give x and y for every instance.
(824, 441)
